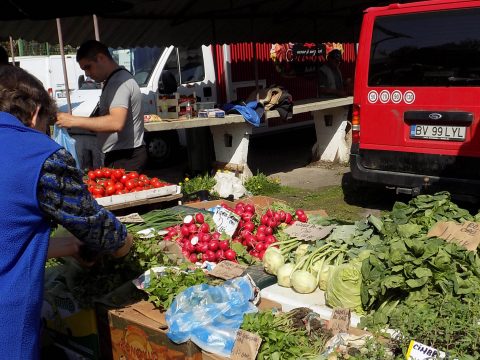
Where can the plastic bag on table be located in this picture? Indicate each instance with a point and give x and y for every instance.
(210, 316)
(63, 138)
(228, 184)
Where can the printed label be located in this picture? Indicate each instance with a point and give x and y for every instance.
(373, 96)
(384, 96)
(409, 97)
(418, 351)
(396, 96)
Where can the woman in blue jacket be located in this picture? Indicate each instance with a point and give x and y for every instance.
(39, 185)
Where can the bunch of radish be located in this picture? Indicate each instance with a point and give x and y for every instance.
(199, 242)
(257, 234)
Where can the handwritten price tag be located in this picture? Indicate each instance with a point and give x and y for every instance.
(340, 320)
(225, 220)
(418, 351)
(246, 346)
(308, 232)
(466, 234)
(228, 270)
(131, 218)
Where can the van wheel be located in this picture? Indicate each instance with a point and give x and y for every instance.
(161, 147)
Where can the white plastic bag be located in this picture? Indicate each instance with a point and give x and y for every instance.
(228, 184)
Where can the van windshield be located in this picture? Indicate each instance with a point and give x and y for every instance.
(440, 48)
(140, 61)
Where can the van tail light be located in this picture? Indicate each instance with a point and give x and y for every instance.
(50, 92)
(356, 124)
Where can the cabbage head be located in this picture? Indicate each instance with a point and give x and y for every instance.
(344, 285)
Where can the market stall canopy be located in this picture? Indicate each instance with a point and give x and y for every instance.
(128, 23)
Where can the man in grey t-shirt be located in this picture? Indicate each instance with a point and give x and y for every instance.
(119, 124)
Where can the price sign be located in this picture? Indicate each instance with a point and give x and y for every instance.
(340, 320)
(131, 218)
(246, 346)
(225, 220)
(228, 270)
(418, 351)
(308, 232)
(466, 234)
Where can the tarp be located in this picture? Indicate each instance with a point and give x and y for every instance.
(128, 23)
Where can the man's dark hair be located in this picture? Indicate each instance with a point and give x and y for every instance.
(3, 56)
(90, 49)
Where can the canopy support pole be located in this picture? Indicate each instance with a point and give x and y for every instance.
(95, 27)
(11, 50)
(65, 76)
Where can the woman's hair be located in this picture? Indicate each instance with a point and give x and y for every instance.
(21, 93)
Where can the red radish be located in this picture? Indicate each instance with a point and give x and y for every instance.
(230, 254)
(302, 217)
(272, 223)
(260, 246)
(206, 237)
(249, 226)
(201, 247)
(270, 239)
(188, 219)
(260, 236)
(220, 255)
(239, 211)
(288, 218)
(240, 205)
(282, 215)
(172, 232)
(167, 238)
(199, 218)
(205, 257)
(260, 254)
(277, 217)
(254, 253)
(265, 219)
(211, 255)
(189, 246)
(250, 208)
(269, 213)
(213, 245)
(299, 212)
(223, 245)
(261, 229)
(194, 240)
(216, 235)
(244, 233)
(268, 231)
(192, 228)
(205, 228)
(193, 258)
(246, 216)
(184, 230)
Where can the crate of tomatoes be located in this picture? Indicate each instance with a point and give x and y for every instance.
(116, 186)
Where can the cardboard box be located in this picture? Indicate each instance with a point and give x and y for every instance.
(139, 332)
(175, 106)
(69, 325)
(210, 204)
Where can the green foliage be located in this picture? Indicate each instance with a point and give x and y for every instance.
(261, 184)
(205, 182)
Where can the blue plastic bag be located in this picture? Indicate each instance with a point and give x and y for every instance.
(63, 138)
(210, 316)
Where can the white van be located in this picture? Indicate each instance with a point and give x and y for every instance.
(49, 70)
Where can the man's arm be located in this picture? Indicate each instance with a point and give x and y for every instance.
(113, 122)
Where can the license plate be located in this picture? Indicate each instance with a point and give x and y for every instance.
(438, 132)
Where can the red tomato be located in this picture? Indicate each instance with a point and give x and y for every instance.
(124, 179)
(98, 173)
(133, 175)
(119, 186)
(144, 178)
(110, 190)
(117, 174)
(91, 175)
(107, 172)
(98, 191)
(130, 184)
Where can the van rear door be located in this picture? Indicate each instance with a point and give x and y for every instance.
(418, 89)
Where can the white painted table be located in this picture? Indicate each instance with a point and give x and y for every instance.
(330, 118)
(231, 134)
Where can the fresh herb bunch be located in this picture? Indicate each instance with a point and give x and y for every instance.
(261, 184)
(280, 339)
(163, 288)
(198, 183)
(448, 324)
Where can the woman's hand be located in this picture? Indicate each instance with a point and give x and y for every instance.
(63, 246)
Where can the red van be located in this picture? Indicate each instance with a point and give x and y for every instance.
(415, 123)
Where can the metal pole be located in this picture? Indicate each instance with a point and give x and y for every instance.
(95, 26)
(12, 51)
(227, 68)
(62, 53)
